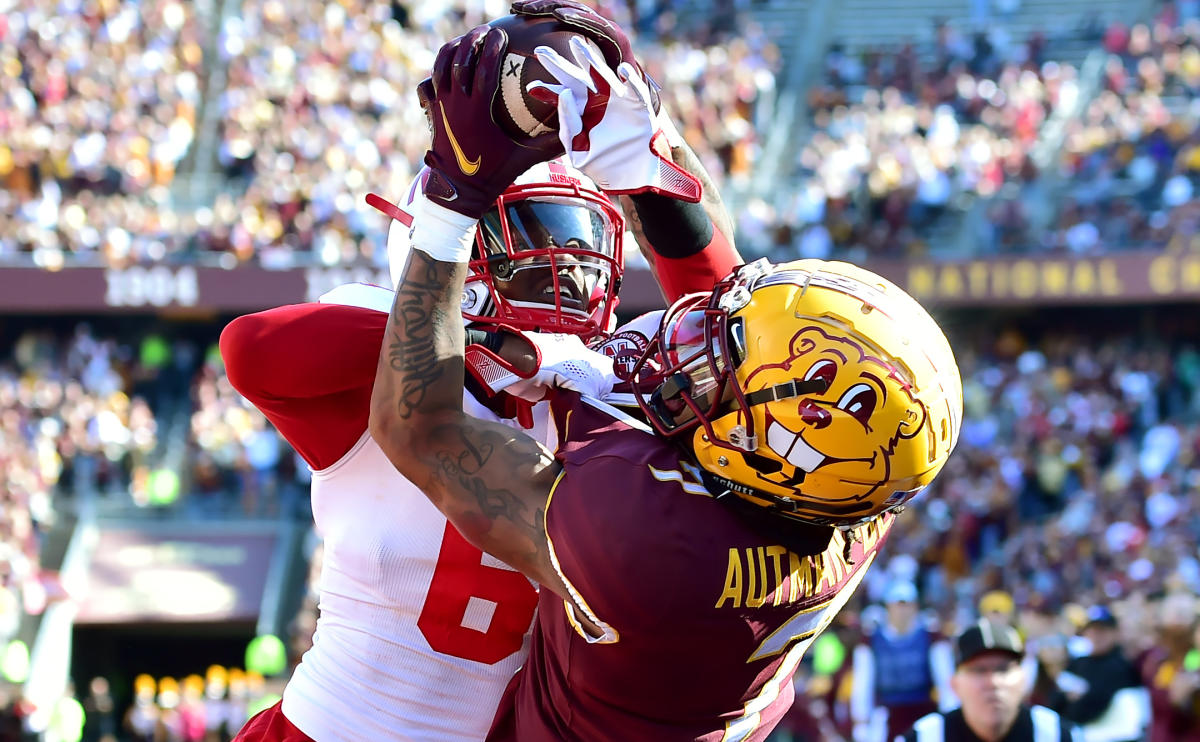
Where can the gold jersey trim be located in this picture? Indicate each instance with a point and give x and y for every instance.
(577, 602)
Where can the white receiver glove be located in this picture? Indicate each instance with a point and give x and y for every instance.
(563, 362)
(622, 143)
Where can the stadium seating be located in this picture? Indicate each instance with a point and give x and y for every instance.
(315, 111)
(1076, 479)
(99, 111)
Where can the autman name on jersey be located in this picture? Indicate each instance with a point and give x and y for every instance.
(773, 575)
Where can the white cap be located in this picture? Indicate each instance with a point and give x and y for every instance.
(900, 591)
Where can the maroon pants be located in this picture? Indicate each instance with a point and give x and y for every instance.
(901, 718)
(271, 726)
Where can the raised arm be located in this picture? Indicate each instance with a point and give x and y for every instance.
(489, 480)
(689, 245)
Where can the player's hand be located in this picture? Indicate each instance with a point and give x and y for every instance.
(559, 361)
(611, 38)
(624, 144)
(471, 159)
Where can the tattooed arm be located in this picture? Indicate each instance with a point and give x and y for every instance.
(685, 157)
(491, 481)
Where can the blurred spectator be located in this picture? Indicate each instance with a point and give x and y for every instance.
(899, 671)
(1171, 671)
(141, 720)
(192, 712)
(13, 711)
(997, 606)
(990, 680)
(1102, 691)
(100, 710)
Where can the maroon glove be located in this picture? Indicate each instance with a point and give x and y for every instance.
(471, 159)
(611, 38)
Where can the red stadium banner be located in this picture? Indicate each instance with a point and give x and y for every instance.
(1132, 277)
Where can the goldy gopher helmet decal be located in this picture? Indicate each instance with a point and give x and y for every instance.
(816, 389)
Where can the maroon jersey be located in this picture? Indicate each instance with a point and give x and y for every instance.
(705, 616)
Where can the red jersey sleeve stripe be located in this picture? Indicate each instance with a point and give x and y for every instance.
(699, 271)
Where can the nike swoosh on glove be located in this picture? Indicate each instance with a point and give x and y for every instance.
(472, 160)
(608, 124)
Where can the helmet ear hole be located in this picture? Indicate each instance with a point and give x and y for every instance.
(736, 340)
(762, 464)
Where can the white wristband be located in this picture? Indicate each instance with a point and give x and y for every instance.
(443, 234)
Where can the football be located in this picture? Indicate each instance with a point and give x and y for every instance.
(520, 115)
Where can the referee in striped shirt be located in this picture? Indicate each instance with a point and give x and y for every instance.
(990, 681)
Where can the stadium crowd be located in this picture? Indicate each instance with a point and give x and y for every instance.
(190, 709)
(1131, 161)
(899, 137)
(68, 424)
(238, 463)
(98, 106)
(1076, 484)
(317, 110)
(81, 419)
(1128, 168)
(315, 113)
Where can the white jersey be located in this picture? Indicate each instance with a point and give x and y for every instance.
(419, 632)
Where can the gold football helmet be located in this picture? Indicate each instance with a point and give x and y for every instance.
(816, 389)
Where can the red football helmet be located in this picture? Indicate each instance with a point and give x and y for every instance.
(548, 254)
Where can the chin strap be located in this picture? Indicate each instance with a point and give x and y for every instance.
(720, 487)
(805, 536)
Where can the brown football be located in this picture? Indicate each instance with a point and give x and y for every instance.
(520, 115)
